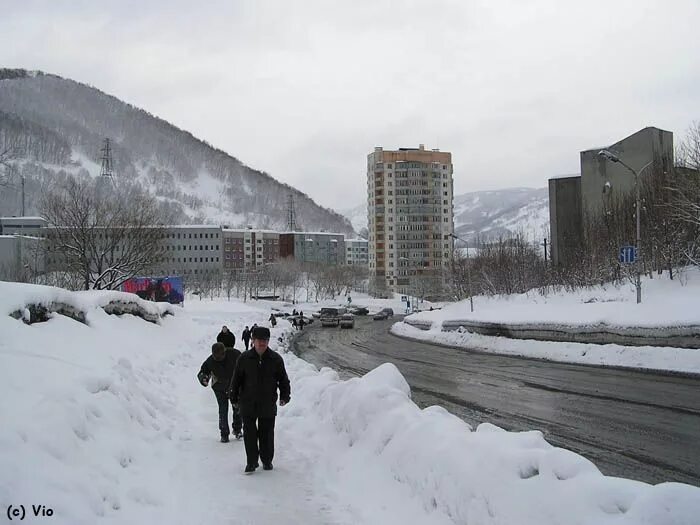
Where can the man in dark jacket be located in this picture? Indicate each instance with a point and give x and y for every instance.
(218, 368)
(246, 337)
(226, 337)
(259, 373)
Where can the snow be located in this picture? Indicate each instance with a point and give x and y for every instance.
(106, 423)
(666, 304)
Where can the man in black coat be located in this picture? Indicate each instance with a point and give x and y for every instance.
(226, 337)
(259, 373)
(246, 337)
(218, 368)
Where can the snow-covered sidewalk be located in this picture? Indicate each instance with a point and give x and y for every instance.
(107, 423)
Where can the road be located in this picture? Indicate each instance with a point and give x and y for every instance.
(631, 424)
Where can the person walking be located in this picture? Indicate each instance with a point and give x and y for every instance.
(301, 323)
(273, 320)
(246, 337)
(226, 337)
(218, 368)
(259, 374)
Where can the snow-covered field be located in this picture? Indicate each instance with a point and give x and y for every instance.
(106, 423)
(665, 303)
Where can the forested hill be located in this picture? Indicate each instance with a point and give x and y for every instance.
(50, 125)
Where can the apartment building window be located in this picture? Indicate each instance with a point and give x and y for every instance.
(217, 259)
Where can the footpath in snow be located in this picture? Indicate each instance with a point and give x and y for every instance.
(666, 304)
(105, 422)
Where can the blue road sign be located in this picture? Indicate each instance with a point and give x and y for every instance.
(628, 254)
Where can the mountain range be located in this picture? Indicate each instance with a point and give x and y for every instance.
(52, 126)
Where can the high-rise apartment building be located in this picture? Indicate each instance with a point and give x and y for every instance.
(410, 218)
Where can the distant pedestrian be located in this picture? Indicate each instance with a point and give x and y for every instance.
(258, 376)
(273, 320)
(226, 337)
(301, 323)
(218, 368)
(246, 337)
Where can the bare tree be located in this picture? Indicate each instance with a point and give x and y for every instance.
(106, 235)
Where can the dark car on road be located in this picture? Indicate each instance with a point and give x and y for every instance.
(384, 313)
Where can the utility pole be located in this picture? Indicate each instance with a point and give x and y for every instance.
(469, 272)
(23, 199)
(545, 251)
(107, 166)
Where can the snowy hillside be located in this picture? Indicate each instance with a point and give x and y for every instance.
(357, 216)
(489, 213)
(105, 422)
(52, 125)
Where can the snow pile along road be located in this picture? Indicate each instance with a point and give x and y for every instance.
(105, 422)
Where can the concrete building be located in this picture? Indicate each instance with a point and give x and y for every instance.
(410, 218)
(565, 222)
(248, 248)
(574, 200)
(32, 226)
(357, 252)
(192, 252)
(21, 257)
(602, 180)
(313, 247)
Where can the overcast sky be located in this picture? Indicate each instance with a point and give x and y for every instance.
(305, 89)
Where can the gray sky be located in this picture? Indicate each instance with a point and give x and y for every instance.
(305, 89)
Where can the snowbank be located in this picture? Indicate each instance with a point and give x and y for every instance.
(31, 300)
(665, 303)
(486, 476)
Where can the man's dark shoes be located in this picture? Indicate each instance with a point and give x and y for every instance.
(224, 438)
(250, 468)
(239, 435)
(267, 466)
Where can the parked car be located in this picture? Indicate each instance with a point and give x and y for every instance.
(389, 312)
(316, 315)
(331, 316)
(358, 310)
(347, 321)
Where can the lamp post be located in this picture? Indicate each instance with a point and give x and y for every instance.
(469, 272)
(608, 155)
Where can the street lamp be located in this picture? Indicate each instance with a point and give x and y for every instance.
(608, 155)
(469, 272)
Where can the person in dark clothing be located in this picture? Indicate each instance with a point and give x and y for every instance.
(259, 374)
(226, 337)
(218, 368)
(301, 323)
(273, 320)
(246, 337)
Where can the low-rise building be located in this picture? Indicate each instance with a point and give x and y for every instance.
(357, 252)
(248, 248)
(313, 247)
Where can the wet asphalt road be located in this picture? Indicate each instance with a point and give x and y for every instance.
(630, 424)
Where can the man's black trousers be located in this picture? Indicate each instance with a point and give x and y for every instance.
(223, 401)
(259, 440)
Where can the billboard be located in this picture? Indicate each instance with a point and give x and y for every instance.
(161, 289)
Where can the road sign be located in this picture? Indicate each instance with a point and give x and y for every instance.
(628, 254)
